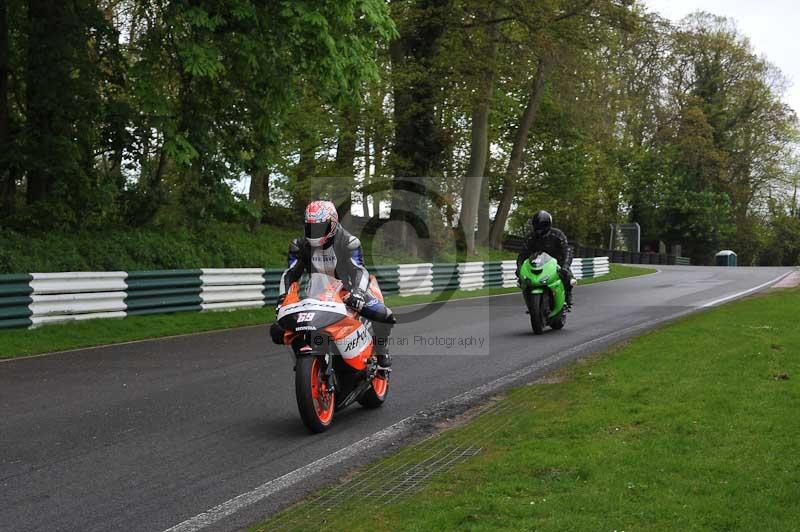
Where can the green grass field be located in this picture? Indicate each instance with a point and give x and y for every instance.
(74, 335)
(691, 427)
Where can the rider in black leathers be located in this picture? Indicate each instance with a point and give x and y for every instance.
(546, 238)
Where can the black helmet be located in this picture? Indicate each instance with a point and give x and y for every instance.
(542, 222)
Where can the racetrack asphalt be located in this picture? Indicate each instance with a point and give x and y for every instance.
(143, 436)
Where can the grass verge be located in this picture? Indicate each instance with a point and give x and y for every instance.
(690, 427)
(78, 334)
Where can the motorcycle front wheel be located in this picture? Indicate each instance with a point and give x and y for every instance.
(539, 310)
(314, 401)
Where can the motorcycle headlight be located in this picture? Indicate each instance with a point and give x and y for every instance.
(544, 280)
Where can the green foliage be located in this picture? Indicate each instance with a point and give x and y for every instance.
(152, 114)
(215, 246)
(192, 95)
(780, 243)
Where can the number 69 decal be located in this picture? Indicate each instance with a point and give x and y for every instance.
(305, 316)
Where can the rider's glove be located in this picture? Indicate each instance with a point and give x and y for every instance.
(280, 302)
(356, 300)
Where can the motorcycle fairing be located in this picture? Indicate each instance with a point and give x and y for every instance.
(541, 272)
(311, 314)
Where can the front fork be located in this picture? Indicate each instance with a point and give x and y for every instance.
(330, 378)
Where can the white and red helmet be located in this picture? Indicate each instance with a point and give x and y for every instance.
(321, 222)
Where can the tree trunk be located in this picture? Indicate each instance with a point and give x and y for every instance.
(418, 147)
(8, 183)
(56, 37)
(344, 163)
(479, 145)
(306, 168)
(484, 222)
(378, 174)
(367, 173)
(517, 152)
(259, 191)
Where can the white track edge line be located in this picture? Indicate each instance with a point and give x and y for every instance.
(744, 292)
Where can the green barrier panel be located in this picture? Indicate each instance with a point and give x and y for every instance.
(272, 280)
(388, 278)
(15, 324)
(15, 299)
(492, 274)
(163, 292)
(445, 277)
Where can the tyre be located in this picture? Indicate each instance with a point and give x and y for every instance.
(375, 396)
(538, 311)
(559, 321)
(314, 401)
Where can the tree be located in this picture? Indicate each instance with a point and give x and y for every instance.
(8, 183)
(418, 149)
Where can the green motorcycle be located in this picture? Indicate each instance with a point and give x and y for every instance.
(544, 292)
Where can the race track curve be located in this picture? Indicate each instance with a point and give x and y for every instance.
(146, 435)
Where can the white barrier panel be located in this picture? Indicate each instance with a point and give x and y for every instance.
(57, 304)
(594, 266)
(230, 276)
(77, 282)
(509, 273)
(470, 275)
(415, 278)
(68, 296)
(232, 288)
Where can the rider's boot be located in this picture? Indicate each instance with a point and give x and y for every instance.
(382, 322)
(383, 356)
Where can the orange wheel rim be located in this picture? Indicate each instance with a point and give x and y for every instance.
(323, 399)
(380, 385)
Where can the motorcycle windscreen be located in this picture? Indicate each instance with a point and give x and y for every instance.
(318, 303)
(540, 260)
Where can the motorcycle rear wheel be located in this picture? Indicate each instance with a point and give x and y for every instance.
(559, 321)
(314, 401)
(375, 396)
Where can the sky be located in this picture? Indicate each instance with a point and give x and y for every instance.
(771, 25)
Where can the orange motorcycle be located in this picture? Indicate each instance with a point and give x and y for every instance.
(333, 350)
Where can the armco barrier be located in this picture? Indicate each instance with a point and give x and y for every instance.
(492, 274)
(388, 279)
(232, 288)
(415, 278)
(470, 275)
(163, 291)
(272, 281)
(15, 301)
(509, 273)
(34, 299)
(445, 277)
(61, 297)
